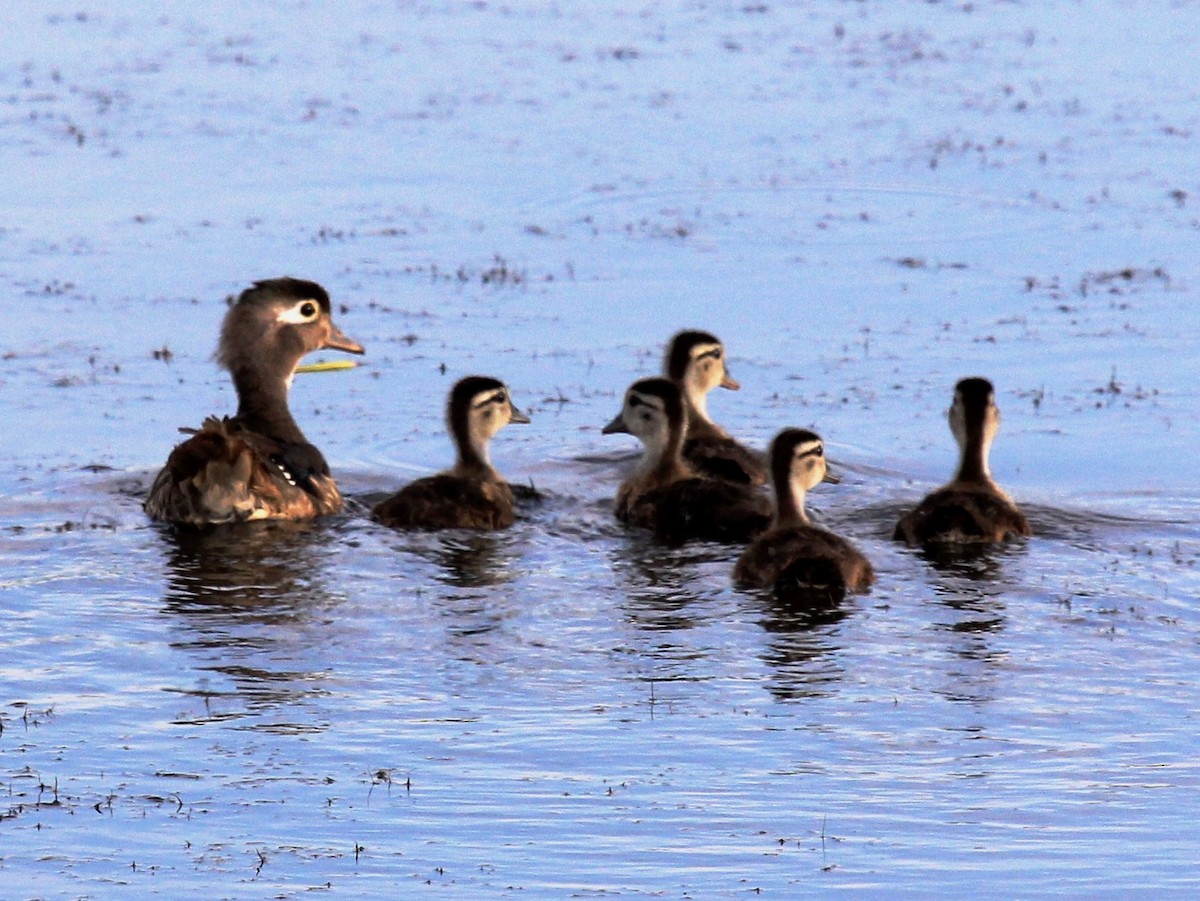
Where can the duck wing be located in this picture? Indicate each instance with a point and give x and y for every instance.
(721, 457)
(962, 516)
(448, 501)
(701, 508)
(224, 474)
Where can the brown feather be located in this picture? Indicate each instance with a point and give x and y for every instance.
(962, 514)
(803, 553)
(448, 501)
(664, 494)
(794, 557)
(721, 457)
(472, 495)
(971, 509)
(697, 508)
(258, 464)
(224, 474)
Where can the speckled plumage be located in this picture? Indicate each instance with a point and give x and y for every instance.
(226, 473)
(257, 464)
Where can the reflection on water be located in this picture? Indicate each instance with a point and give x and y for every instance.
(969, 587)
(250, 601)
(658, 586)
(472, 559)
(970, 583)
(275, 567)
(667, 592)
(802, 640)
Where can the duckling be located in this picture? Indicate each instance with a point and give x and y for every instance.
(971, 508)
(472, 495)
(695, 361)
(664, 493)
(257, 464)
(793, 551)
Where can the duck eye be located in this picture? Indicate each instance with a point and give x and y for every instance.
(308, 309)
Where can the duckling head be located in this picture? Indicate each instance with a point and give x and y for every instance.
(653, 412)
(478, 407)
(696, 361)
(797, 465)
(274, 323)
(798, 457)
(974, 421)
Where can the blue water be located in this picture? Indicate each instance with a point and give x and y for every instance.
(865, 203)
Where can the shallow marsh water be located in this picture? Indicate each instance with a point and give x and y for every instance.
(865, 203)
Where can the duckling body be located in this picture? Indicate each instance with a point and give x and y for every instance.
(256, 464)
(971, 508)
(695, 361)
(793, 552)
(472, 494)
(664, 494)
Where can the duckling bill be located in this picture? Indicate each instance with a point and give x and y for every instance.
(472, 494)
(664, 494)
(970, 509)
(257, 464)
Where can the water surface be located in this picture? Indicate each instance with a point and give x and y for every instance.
(866, 204)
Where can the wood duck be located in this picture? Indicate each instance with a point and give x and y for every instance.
(793, 552)
(257, 464)
(664, 493)
(695, 361)
(472, 494)
(971, 508)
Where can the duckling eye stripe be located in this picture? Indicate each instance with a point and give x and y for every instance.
(714, 352)
(809, 450)
(293, 315)
(497, 398)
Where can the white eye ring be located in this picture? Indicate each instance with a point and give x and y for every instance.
(300, 312)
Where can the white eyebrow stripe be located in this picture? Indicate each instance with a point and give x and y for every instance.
(495, 397)
(645, 400)
(293, 316)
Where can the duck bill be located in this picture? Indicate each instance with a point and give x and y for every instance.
(616, 427)
(515, 415)
(338, 340)
(831, 477)
(728, 381)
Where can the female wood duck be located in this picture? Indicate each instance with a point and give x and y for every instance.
(971, 508)
(472, 495)
(695, 361)
(257, 464)
(664, 494)
(793, 552)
